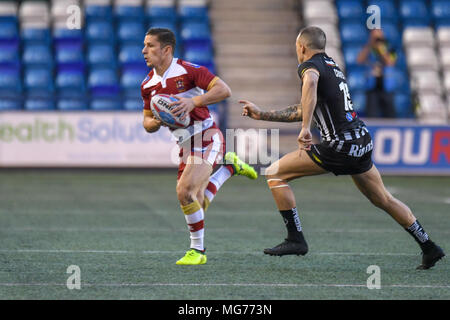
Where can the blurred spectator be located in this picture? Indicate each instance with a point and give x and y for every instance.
(378, 56)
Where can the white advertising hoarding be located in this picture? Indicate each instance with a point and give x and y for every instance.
(83, 139)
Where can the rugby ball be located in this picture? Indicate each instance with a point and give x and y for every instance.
(161, 109)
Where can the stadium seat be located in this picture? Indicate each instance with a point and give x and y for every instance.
(105, 104)
(162, 12)
(392, 34)
(422, 57)
(131, 56)
(351, 53)
(353, 33)
(426, 81)
(39, 104)
(70, 57)
(396, 79)
(10, 104)
(133, 104)
(95, 10)
(418, 36)
(129, 11)
(445, 57)
(35, 11)
(70, 84)
(414, 13)
(101, 55)
(100, 31)
(35, 36)
(131, 32)
(443, 36)
(9, 55)
(440, 10)
(199, 53)
(130, 81)
(319, 11)
(195, 31)
(356, 78)
(103, 82)
(72, 104)
(67, 36)
(10, 82)
(38, 82)
(388, 11)
(350, 10)
(9, 32)
(403, 105)
(37, 55)
(193, 13)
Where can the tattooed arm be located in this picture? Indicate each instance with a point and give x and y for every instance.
(288, 114)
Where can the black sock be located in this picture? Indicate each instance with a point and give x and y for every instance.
(293, 225)
(421, 237)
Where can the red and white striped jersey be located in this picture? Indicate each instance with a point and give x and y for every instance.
(183, 79)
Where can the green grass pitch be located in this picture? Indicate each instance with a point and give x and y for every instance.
(125, 230)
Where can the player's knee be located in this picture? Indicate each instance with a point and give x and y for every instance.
(381, 200)
(275, 182)
(185, 193)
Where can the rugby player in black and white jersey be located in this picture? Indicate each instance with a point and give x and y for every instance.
(345, 148)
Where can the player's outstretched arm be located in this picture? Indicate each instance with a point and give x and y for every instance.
(288, 114)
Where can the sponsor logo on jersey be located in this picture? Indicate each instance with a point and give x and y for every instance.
(349, 116)
(146, 78)
(330, 62)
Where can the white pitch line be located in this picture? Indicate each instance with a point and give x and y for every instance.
(282, 285)
(215, 252)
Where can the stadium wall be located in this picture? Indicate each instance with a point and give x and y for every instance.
(117, 139)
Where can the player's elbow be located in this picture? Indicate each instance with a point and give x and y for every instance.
(150, 126)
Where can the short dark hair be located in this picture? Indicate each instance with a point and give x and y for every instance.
(165, 37)
(314, 37)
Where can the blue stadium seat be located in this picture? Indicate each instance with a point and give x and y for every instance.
(70, 57)
(401, 59)
(70, 83)
(133, 104)
(129, 13)
(38, 82)
(9, 32)
(103, 82)
(130, 81)
(392, 34)
(9, 55)
(353, 33)
(9, 104)
(193, 13)
(101, 55)
(396, 79)
(388, 10)
(36, 36)
(403, 105)
(67, 36)
(98, 12)
(160, 13)
(39, 104)
(350, 10)
(131, 32)
(100, 32)
(10, 82)
(131, 56)
(37, 55)
(351, 53)
(414, 13)
(198, 53)
(359, 101)
(105, 104)
(356, 79)
(440, 10)
(164, 24)
(72, 104)
(195, 31)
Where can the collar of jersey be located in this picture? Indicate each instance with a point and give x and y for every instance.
(174, 70)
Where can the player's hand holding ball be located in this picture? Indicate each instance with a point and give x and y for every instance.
(250, 110)
(183, 106)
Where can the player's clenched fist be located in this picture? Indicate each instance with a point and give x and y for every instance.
(249, 109)
(305, 139)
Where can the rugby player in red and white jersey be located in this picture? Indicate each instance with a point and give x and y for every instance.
(201, 143)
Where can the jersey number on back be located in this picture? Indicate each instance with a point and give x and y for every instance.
(347, 100)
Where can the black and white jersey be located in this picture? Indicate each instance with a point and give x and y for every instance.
(334, 114)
